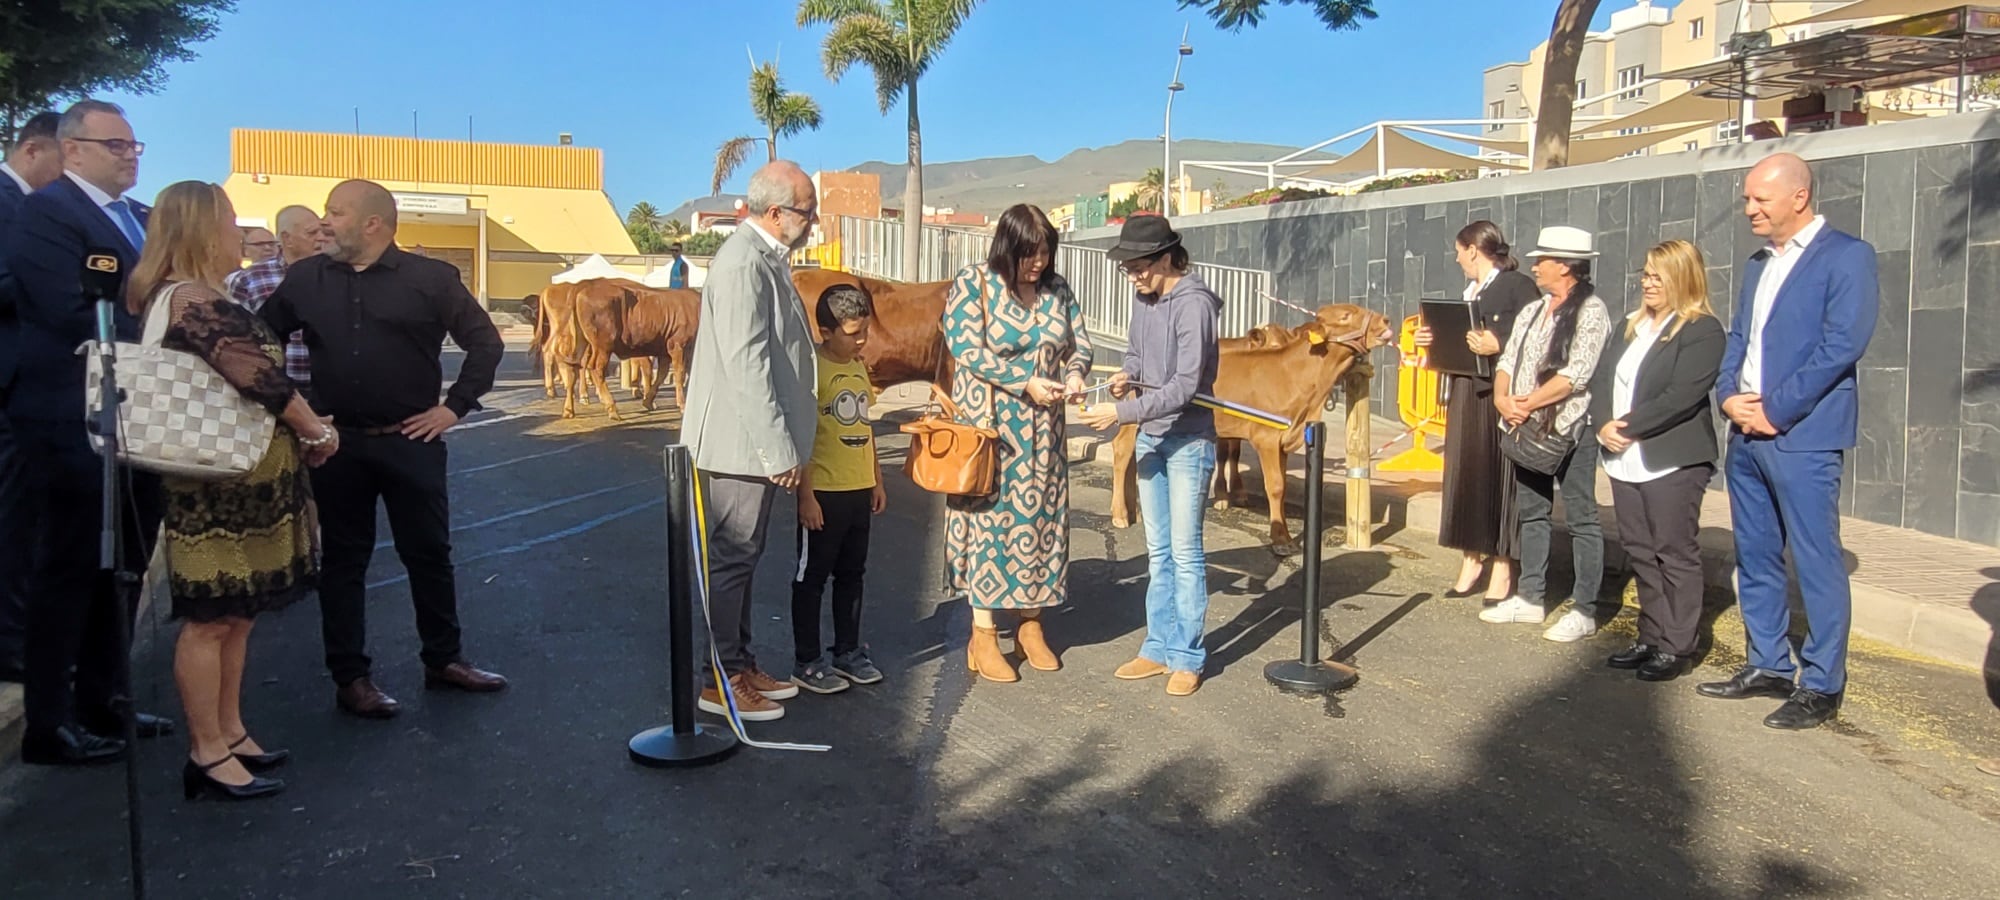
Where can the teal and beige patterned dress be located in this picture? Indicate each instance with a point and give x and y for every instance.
(1010, 550)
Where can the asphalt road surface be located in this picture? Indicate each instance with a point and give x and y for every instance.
(1470, 761)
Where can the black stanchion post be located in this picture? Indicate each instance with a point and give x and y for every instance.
(684, 742)
(1309, 674)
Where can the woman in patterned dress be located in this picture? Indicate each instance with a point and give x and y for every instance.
(1018, 349)
(236, 547)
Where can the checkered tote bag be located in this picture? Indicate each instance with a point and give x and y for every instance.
(179, 416)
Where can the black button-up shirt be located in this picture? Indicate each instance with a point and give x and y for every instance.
(376, 335)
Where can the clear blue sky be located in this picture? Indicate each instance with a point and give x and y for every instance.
(659, 84)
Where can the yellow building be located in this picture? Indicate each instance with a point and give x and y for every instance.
(508, 215)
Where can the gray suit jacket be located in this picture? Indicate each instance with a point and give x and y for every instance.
(750, 408)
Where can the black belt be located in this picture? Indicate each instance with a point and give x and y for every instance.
(373, 431)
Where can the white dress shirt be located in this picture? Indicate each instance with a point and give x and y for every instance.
(97, 194)
(1474, 288)
(1628, 466)
(770, 240)
(23, 182)
(1777, 268)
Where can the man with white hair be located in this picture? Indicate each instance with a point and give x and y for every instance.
(300, 234)
(750, 416)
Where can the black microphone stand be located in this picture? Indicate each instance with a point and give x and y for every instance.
(110, 554)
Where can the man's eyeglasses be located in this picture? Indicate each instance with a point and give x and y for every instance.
(117, 146)
(806, 214)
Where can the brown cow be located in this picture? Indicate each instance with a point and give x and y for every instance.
(552, 332)
(1288, 371)
(629, 320)
(906, 341)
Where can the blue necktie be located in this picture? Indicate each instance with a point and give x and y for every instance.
(121, 213)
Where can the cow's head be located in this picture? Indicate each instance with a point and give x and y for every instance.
(1353, 327)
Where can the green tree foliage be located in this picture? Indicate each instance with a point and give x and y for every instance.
(56, 50)
(784, 113)
(898, 40)
(1338, 15)
(703, 244)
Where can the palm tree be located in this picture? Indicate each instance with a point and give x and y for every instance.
(898, 39)
(674, 230)
(1151, 188)
(784, 113)
(643, 215)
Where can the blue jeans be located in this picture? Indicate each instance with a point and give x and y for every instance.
(1174, 472)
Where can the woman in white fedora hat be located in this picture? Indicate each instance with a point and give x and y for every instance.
(1541, 387)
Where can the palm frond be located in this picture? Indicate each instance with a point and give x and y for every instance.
(827, 12)
(934, 23)
(794, 113)
(1235, 15)
(728, 158)
(766, 91)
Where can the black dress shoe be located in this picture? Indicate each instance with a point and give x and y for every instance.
(197, 784)
(69, 746)
(259, 762)
(1804, 709)
(12, 670)
(1662, 666)
(1748, 681)
(1631, 657)
(148, 725)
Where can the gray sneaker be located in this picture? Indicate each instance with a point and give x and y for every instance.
(817, 677)
(857, 667)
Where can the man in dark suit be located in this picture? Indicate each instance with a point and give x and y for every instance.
(1804, 314)
(33, 160)
(73, 607)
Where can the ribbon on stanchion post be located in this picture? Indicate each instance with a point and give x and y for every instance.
(684, 742)
(1310, 674)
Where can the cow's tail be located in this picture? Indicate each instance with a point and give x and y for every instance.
(541, 337)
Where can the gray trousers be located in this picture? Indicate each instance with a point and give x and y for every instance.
(739, 517)
(1535, 502)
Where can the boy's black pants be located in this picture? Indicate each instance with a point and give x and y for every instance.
(839, 549)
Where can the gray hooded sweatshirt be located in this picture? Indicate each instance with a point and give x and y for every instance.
(1172, 346)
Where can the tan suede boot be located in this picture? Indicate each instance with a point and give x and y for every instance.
(1028, 635)
(983, 655)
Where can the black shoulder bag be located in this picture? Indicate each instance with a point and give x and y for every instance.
(1535, 444)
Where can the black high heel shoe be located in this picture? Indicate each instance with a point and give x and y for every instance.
(259, 762)
(196, 783)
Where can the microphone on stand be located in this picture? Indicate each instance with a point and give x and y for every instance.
(103, 282)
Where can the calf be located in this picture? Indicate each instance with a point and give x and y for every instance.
(906, 340)
(1287, 371)
(630, 321)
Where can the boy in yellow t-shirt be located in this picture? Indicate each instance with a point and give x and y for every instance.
(840, 493)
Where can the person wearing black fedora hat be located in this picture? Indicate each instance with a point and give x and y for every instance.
(1172, 347)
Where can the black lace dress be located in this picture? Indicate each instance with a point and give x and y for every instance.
(243, 546)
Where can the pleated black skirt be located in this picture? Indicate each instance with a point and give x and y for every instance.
(1478, 514)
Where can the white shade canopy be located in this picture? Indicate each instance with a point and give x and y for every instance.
(594, 267)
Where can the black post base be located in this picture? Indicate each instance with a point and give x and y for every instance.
(1294, 677)
(661, 748)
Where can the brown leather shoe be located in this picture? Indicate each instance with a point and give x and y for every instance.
(361, 697)
(1182, 684)
(1140, 667)
(462, 676)
(1034, 646)
(982, 655)
(751, 706)
(770, 687)
(1990, 766)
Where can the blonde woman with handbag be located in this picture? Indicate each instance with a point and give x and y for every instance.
(1013, 328)
(236, 547)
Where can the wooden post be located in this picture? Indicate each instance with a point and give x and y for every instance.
(1360, 506)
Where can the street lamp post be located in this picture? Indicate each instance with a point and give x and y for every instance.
(1167, 137)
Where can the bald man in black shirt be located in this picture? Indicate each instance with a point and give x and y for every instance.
(375, 319)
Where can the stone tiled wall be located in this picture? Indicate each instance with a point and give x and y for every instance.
(1926, 194)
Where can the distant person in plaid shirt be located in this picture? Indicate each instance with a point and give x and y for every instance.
(300, 234)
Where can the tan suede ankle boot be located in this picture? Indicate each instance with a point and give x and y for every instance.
(983, 655)
(1035, 646)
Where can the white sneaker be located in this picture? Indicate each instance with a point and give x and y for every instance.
(1573, 626)
(1514, 610)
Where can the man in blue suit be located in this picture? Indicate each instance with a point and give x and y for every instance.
(72, 606)
(1804, 314)
(33, 160)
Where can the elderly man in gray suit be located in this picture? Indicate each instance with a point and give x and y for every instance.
(750, 416)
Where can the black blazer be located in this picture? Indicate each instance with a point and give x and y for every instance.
(10, 310)
(1672, 417)
(1495, 309)
(44, 249)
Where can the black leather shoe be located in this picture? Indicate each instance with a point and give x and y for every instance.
(197, 784)
(149, 725)
(12, 669)
(1631, 657)
(1804, 709)
(1662, 666)
(69, 746)
(259, 762)
(1748, 681)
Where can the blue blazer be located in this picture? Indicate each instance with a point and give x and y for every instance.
(10, 316)
(1819, 326)
(44, 250)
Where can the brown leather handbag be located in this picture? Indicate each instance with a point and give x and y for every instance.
(948, 457)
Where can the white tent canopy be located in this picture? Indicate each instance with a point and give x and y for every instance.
(594, 267)
(661, 276)
(1878, 9)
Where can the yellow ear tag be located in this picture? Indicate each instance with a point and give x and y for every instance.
(1315, 338)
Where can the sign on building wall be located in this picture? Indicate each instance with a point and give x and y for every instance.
(432, 203)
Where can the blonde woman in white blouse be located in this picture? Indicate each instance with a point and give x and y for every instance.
(1545, 372)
